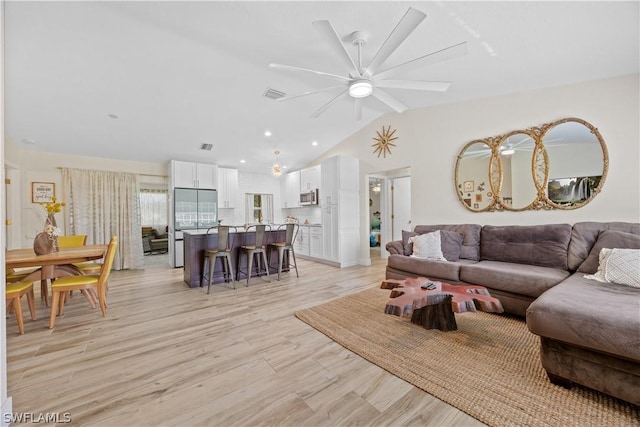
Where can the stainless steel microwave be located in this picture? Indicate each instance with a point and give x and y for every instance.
(309, 198)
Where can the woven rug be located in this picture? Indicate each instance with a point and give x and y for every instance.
(489, 368)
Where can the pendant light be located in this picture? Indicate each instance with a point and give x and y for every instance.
(276, 169)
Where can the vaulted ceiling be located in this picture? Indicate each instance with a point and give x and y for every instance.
(153, 81)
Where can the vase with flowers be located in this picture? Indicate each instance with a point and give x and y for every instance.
(46, 241)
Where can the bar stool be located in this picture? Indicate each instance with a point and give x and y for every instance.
(223, 251)
(259, 248)
(291, 231)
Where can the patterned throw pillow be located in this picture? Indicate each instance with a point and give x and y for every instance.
(620, 266)
(427, 246)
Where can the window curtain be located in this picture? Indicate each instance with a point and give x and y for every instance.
(267, 208)
(102, 204)
(153, 208)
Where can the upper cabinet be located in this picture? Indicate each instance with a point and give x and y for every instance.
(291, 190)
(227, 187)
(309, 179)
(193, 175)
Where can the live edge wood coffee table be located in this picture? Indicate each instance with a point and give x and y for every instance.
(432, 303)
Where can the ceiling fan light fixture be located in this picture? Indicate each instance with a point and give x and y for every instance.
(360, 88)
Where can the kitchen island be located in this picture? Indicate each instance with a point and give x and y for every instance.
(197, 242)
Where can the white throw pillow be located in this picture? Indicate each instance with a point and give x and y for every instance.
(427, 246)
(618, 266)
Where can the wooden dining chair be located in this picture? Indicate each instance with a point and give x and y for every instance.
(12, 275)
(74, 240)
(14, 293)
(90, 283)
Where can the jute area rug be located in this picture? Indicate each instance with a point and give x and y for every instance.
(489, 368)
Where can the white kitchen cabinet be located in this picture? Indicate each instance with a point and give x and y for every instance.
(193, 175)
(291, 190)
(227, 187)
(309, 179)
(340, 210)
(315, 242)
(301, 244)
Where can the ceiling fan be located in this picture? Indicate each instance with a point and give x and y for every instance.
(363, 81)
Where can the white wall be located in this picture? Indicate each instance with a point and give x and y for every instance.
(5, 400)
(430, 139)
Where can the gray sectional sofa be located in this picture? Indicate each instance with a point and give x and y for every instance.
(590, 331)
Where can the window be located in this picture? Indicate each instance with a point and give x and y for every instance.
(153, 207)
(259, 208)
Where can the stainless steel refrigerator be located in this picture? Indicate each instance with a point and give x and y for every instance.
(193, 210)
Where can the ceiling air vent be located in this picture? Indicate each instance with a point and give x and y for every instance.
(274, 94)
(206, 147)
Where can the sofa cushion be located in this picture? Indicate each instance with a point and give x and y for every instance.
(427, 246)
(589, 314)
(471, 237)
(608, 239)
(417, 267)
(521, 279)
(450, 243)
(540, 245)
(618, 266)
(585, 234)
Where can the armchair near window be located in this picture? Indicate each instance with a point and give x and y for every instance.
(153, 241)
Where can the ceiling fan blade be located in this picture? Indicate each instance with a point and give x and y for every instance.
(306, 70)
(412, 84)
(389, 100)
(357, 108)
(445, 54)
(316, 114)
(327, 31)
(286, 98)
(411, 19)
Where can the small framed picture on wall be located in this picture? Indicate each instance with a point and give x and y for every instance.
(42, 192)
(468, 186)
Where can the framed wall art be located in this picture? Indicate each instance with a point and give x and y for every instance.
(42, 192)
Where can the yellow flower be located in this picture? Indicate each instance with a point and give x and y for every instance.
(53, 207)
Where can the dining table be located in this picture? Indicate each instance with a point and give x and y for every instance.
(52, 265)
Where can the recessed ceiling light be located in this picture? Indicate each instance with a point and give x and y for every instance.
(243, 161)
(267, 133)
(285, 167)
(314, 143)
(112, 116)
(27, 141)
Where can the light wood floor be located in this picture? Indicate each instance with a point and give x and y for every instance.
(174, 356)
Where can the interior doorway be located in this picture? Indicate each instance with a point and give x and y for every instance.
(389, 209)
(375, 216)
(400, 206)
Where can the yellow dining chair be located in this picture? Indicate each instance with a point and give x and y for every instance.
(14, 293)
(89, 283)
(72, 241)
(75, 240)
(14, 275)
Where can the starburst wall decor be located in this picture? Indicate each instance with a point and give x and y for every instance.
(384, 144)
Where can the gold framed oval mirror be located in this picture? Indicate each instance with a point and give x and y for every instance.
(516, 152)
(578, 163)
(472, 177)
(559, 165)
